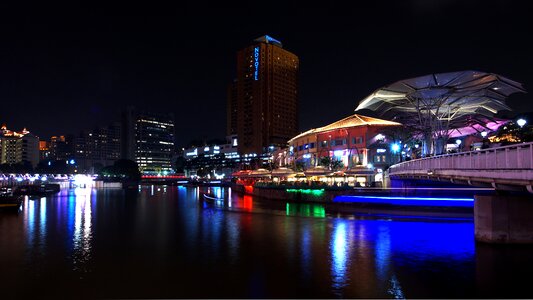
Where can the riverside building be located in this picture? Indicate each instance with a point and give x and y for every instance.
(18, 147)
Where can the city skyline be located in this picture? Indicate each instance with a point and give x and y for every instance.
(58, 79)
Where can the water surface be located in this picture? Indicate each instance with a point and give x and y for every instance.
(166, 242)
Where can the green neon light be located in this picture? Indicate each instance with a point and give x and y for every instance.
(306, 191)
(306, 210)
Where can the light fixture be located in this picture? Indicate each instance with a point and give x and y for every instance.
(521, 122)
(483, 134)
(395, 147)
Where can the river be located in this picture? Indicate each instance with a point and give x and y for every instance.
(166, 242)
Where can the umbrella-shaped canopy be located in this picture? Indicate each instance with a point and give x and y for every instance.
(359, 170)
(241, 173)
(465, 92)
(260, 173)
(438, 103)
(282, 171)
(317, 171)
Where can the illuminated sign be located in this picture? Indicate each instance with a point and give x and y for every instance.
(195, 152)
(381, 150)
(270, 39)
(256, 63)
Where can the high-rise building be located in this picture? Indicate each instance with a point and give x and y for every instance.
(148, 139)
(18, 147)
(263, 100)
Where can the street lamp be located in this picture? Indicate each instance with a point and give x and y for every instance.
(521, 122)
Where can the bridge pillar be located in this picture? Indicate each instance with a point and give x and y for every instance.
(503, 219)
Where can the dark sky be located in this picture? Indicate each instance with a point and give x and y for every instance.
(68, 68)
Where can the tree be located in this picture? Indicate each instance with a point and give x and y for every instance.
(124, 169)
(336, 165)
(325, 161)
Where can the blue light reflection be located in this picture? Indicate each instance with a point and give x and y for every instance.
(408, 201)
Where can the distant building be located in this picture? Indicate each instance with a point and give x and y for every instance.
(213, 159)
(61, 147)
(18, 147)
(97, 148)
(262, 106)
(148, 139)
(44, 150)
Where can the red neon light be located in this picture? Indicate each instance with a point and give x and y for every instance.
(248, 189)
(247, 203)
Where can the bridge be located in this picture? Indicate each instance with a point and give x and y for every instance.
(503, 168)
(504, 217)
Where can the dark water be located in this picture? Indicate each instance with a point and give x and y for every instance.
(163, 242)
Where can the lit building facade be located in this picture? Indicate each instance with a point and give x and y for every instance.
(148, 139)
(18, 147)
(97, 148)
(218, 160)
(263, 99)
(62, 147)
(354, 140)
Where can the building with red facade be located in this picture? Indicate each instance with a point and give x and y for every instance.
(355, 141)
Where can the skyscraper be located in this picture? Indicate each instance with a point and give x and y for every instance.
(263, 100)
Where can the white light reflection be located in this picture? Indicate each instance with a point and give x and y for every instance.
(82, 228)
(229, 197)
(42, 219)
(30, 217)
(339, 249)
(395, 289)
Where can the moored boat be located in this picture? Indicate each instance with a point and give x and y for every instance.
(8, 201)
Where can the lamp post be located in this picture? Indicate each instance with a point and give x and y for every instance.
(395, 148)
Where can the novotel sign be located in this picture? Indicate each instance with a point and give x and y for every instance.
(256, 63)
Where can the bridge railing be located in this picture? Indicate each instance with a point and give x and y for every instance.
(513, 157)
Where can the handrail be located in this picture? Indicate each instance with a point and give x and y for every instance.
(490, 154)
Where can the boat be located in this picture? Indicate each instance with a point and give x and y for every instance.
(211, 198)
(37, 189)
(9, 201)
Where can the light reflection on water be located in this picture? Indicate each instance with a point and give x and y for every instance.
(273, 249)
(339, 255)
(82, 236)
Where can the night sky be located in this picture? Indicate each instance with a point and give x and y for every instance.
(68, 68)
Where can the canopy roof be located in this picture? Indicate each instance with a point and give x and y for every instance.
(282, 171)
(317, 171)
(351, 121)
(449, 96)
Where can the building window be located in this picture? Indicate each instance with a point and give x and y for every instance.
(357, 140)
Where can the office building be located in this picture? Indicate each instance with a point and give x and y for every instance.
(98, 148)
(263, 99)
(148, 139)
